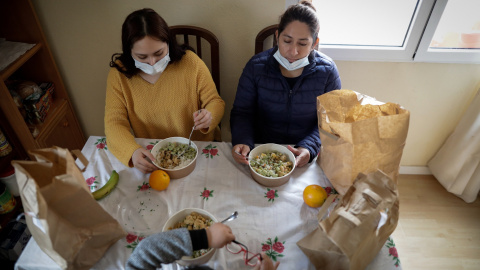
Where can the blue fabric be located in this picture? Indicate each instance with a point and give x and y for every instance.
(267, 110)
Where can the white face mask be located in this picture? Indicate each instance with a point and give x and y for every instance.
(300, 63)
(158, 67)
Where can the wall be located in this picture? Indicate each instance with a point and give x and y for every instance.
(84, 34)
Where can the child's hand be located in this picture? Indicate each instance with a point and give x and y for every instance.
(219, 235)
(266, 263)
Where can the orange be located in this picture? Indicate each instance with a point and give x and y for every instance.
(159, 180)
(314, 196)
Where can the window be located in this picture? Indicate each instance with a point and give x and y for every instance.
(452, 34)
(406, 30)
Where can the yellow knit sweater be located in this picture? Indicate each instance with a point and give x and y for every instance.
(160, 110)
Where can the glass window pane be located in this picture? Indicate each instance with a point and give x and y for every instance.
(459, 26)
(366, 22)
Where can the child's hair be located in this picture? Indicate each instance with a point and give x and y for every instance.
(304, 12)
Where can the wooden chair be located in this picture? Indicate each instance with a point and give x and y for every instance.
(264, 34)
(201, 34)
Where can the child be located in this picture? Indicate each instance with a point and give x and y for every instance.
(167, 247)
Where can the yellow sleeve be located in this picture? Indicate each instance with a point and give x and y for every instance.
(120, 139)
(208, 95)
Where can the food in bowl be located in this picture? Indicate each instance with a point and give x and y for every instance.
(194, 221)
(269, 181)
(271, 164)
(180, 216)
(168, 156)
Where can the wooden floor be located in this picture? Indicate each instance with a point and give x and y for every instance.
(436, 230)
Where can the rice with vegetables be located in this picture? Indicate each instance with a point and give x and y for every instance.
(271, 164)
(194, 221)
(168, 156)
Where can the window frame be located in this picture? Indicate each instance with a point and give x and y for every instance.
(415, 47)
(442, 55)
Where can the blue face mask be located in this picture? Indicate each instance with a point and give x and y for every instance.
(158, 67)
(300, 63)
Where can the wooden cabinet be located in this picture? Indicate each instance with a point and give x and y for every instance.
(60, 131)
(19, 23)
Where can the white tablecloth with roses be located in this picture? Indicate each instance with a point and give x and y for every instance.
(270, 219)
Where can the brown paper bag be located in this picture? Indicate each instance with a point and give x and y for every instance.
(357, 228)
(359, 135)
(64, 219)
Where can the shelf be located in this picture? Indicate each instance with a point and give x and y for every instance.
(19, 23)
(5, 218)
(4, 161)
(10, 69)
(56, 111)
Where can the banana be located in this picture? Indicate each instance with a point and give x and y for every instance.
(107, 188)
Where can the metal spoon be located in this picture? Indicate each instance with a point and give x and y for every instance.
(189, 142)
(190, 137)
(233, 216)
(246, 157)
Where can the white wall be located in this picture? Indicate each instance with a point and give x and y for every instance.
(84, 34)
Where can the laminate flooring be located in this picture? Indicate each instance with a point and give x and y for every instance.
(436, 229)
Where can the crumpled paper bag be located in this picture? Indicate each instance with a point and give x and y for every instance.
(359, 134)
(355, 231)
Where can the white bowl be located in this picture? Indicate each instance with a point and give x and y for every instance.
(271, 181)
(180, 216)
(175, 173)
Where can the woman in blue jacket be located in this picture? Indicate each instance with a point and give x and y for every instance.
(277, 92)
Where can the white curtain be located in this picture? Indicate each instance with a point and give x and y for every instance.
(456, 165)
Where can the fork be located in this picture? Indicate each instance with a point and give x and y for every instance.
(189, 142)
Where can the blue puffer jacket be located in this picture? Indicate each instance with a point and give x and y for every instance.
(266, 110)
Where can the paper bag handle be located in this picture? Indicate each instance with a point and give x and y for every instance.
(370, 196)
(325, 207)
(349, 216)
(78, 154)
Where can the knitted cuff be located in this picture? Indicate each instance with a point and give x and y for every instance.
(199, 239)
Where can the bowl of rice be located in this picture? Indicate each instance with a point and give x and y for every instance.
(192, 219)
(271, 165)
(167, 156)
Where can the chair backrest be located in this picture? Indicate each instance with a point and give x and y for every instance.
(200, 33)
(264, 34)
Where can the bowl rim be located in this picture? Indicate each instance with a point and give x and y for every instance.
(290, 154)
(198, 210)
(172, 139)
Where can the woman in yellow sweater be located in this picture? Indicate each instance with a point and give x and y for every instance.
(156, 89)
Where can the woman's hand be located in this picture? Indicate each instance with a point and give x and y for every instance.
(302, 155)
(140, 161)
(266, 263)
(219, 235)
(202, 119)
(240, 152)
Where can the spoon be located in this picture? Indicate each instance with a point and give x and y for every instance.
(189, 142)
(233, 216)
(246, 157)
(190, 137)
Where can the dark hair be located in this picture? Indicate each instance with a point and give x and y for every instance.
(137, 25)
(303, 12)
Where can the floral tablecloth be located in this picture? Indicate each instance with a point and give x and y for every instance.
(270, 219)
